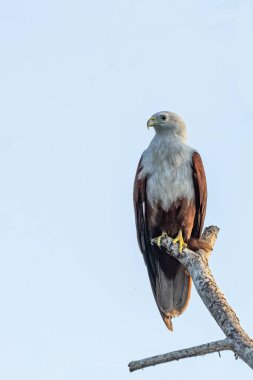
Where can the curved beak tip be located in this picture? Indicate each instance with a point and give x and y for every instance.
(150, 123)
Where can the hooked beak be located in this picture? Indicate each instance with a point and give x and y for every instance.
(151, 122)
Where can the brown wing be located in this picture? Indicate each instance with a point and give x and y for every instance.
(139, 207)
(143, 233)
(199, 181)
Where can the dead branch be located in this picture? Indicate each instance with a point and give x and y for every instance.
(197, 265)
(203, 349)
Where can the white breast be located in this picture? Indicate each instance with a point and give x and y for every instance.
(167, 165)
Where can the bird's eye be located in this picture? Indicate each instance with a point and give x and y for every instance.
(163, 117)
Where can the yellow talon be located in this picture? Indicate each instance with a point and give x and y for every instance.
(179, 239)
(159, 238)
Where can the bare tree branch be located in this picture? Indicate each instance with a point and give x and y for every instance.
(197, 265)
(203, 349)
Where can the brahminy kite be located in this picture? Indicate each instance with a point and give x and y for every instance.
(170, 196)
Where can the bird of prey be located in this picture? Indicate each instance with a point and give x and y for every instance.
(170, 196)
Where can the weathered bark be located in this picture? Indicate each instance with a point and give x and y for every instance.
(203, 349)
(197, 265)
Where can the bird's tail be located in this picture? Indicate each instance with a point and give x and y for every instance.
(172, 288)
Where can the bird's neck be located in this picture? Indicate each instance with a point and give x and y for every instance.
(167, 145)
(165, 152)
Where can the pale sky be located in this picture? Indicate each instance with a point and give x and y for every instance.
(79, 79)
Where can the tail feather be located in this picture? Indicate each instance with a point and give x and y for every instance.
(172, 288)
(168, 322)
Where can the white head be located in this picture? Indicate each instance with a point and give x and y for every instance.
(168, 123)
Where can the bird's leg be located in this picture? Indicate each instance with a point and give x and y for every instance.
(180, 240)
(159, 238)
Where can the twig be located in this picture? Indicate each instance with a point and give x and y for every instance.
(203, 349)
(197, 265)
